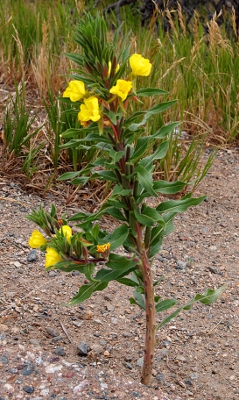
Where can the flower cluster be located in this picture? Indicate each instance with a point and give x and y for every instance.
(37, 240)
(90, 107)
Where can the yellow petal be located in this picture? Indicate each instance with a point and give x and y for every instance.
(36, 240)
(140, 66)
(67, 232)
(121, 89)
(52, 257)
(75, 90)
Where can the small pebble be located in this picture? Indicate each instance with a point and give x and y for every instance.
(97, 348)
(60, 351)
(52, 274)
(75, 273)
(52, 332)
(32, 256)
(4, 360)
(140, 362)
(82, 349)
(160, 377)
(28, 389)
(27, 370)
(34, 342)
(128, 365)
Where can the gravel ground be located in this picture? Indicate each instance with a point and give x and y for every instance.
(94, 351)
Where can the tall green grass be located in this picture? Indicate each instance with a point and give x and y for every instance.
(199, 69)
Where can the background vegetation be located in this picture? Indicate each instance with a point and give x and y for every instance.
(192, 45)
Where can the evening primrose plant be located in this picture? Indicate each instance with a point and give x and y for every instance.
(103, 88)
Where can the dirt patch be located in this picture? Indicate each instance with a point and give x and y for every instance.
(95, 350)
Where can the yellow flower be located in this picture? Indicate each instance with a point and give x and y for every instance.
(122, 88)
(52, 257)
(109, 68)
(75, 90)
(89, 111)
(103, 248)
(36, 240)
(140, 65)
(67, 232)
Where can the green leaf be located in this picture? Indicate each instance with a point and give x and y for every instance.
(118, 262)
(145, 179)
(159, 108)
(157, 155)
(138, 298)
(165, 130)
(149, 217)
(107, 275)
(118, 190)
(77, 58)
(168, 187)
(116, 213)
(106, 175)
(128, 282)
(165, 305)
(150, 92)
(140, 148)
(178, 206)
(209, 297)
(68, 175)
(86, 291)
(117, 238)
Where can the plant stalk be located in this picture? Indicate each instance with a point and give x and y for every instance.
(150, 337)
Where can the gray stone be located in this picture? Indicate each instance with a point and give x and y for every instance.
(32, 256)
(75, 273)
(97, 348)
(52, 332)
(27, 370)
(60, 351)
(181, 264)
(82, 349)
(188, 382)
(128, 365)
(52, 274)
(34, 342)
(194, 376)
(4, 360)
(28, 389)
(160, 377)
(140, 362)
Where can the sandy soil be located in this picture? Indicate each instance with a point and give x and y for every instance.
(197, 355)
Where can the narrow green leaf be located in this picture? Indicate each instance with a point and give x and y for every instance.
(168, 187)
(106, 175)
(138, 299)
(209, 297)
(150, 92)
(179, 206)
(117, 238)
(127, 282)
(118, 262)
(107, 275)
(86, 291)
(165, 305)
(145, 179)
(159, 108)
(68, 175)
(165, 130)
(157, 155)
(148, 217)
